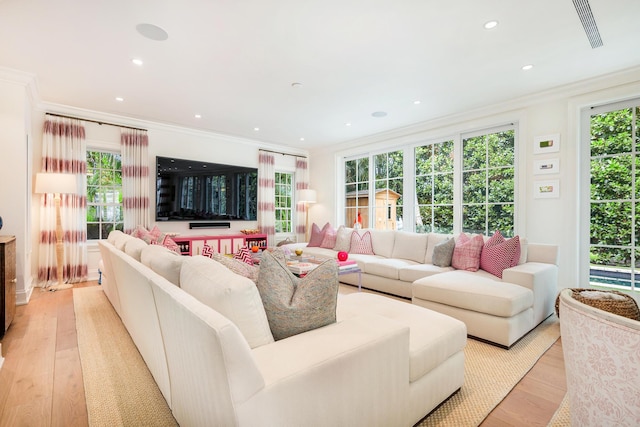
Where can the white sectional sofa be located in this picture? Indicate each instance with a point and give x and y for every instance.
(384, 362)
(498, 310)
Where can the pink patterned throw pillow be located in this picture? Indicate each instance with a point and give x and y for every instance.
(466, 254)
(317, 235)
(166, 241)
(243, 255)
(207, 251)
(361, 244)
(330, 237)
(499, 254)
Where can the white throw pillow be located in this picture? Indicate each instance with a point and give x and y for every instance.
(234, 296)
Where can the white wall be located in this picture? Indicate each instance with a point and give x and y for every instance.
(552, 221)
(15, 140)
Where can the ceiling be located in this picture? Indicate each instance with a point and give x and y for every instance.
(234, 62)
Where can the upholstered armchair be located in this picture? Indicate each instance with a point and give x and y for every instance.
(602, 361)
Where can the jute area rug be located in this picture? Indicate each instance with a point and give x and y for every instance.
(562, 417)
(119, 388)
(490, 374)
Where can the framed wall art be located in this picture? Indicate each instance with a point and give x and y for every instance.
(546, 144)
(546, 166)
(546, 189)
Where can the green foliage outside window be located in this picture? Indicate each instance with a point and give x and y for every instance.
(284, 202)
(434, 187)
(104, 194)
(614, 189)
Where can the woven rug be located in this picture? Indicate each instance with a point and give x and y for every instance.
(490, 374)
(119, 389)
(562, 417)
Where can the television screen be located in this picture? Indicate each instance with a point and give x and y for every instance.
(189, 190)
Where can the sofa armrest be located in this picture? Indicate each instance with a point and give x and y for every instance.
(542, 279)
(537, 252)
(360, 362)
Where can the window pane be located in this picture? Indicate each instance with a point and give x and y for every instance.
(611, 133)
(474, 187)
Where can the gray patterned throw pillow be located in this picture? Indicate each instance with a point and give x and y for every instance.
(295, 305)
(443, 253)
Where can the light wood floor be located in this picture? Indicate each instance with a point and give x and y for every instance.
(41, 379)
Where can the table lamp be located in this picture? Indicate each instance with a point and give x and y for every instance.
(306, 196)
(56, 184)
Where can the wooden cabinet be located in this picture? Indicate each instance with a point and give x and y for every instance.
(7, 281)
(223, 244)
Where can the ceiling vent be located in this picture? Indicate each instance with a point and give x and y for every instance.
(588, 22)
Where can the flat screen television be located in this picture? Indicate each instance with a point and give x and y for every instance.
(191, 190)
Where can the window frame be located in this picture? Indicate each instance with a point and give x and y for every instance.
(118, 225)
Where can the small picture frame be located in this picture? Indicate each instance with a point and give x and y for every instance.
(546, 166)
(546, 189)
(546, 144)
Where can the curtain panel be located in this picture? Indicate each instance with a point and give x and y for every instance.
(64, 150)
(135, 178)
(302, 183)
(267, 196)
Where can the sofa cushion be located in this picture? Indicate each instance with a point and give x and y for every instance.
(387, 267)
(329, 240)
(361, 243)
(250, 271)
(466, 254)
(121, 240)
(433, 337)
(231, 295)
(471, 291)
(411, 273)
(343, 239)
(383, 242)
(499, 254)
(295, 305)
(163, 261)
(134, 248)
(410, 246)
(443, 253)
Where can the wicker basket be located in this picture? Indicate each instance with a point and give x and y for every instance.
(627, 308)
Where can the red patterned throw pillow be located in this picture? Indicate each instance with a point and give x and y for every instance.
(207, 251)
(499, 254)
(466, 254)
(243, 255)
(361, 244)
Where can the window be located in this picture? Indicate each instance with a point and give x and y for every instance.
(464, 183)
(434, 187)
(387, 206)
(488, 197)
(356, 172)
(104, 194)
(614, 195)
(284, 202)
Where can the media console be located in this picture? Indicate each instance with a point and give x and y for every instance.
(221, 243)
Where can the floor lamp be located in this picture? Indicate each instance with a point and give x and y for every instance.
(56, 184)
(307, 197)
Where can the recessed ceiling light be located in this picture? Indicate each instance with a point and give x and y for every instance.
(416, 102)
(119, 98)
(137, 61)
(152, 32)
(347, 124)
(379, 114)
(198, 116)
(296, 85)
(527, 67)
(256, 129)
(301, 139)
(490, 25)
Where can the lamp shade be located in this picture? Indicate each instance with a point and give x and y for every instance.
(307, 196)
(48, 183)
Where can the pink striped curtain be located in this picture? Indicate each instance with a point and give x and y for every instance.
(267, 196)
(135, 178)
(64, 150)
(302, 183)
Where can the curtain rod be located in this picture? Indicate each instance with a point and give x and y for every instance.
(284, 154)
(95, 121)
